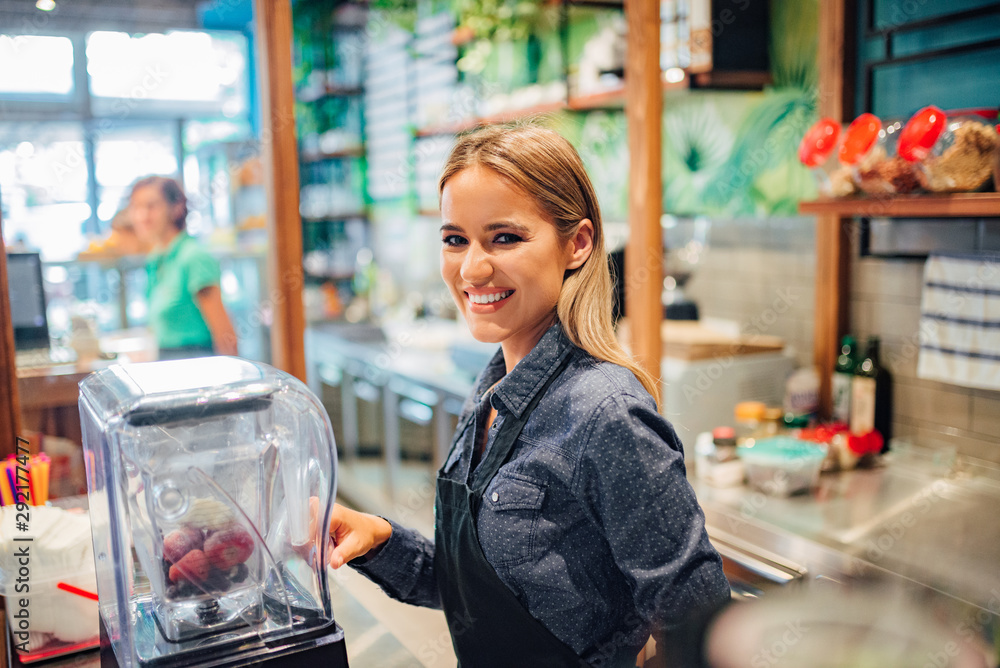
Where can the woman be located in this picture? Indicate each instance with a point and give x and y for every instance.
(185, 303)
(566, 531)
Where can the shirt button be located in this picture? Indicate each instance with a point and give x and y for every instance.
(495, 497)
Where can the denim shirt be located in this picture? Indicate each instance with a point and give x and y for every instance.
(592, 523)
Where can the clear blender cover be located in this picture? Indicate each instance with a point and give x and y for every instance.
(208, 479)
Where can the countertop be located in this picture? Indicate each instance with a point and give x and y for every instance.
(921, 515)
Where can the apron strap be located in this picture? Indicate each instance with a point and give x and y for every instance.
(503, 445)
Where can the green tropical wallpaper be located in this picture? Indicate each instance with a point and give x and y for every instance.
(724, 153)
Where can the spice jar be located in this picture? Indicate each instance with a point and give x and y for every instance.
(952, 154)
(815, 152)
(748, 416)
(869, 149)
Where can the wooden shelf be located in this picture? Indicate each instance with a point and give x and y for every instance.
(609, 99)
(429, 213)
(330, 91)
(334, 218)
(333, 155)
(914, 206)
(502, 117)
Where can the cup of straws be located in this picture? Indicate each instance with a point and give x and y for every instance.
(25, 480)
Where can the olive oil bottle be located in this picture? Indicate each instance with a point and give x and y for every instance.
(843, 377)
(871, 395)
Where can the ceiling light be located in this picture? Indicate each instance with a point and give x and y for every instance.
(46, 5)
(672, 75)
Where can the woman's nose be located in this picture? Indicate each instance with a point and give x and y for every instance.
(476, 265)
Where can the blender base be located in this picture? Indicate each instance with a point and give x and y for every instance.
(325, 648)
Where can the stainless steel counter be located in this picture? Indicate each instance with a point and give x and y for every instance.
(923, 517)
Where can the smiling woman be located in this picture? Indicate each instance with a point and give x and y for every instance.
(566, 531)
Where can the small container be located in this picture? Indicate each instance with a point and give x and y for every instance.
(748, 415)
(48, 580)
(952, 153)
(869, 150)
(715, 458)
(782, 466)
(772, 423)
(815, 151)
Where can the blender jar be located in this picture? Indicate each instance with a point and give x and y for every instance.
(952, 153)
(869, 149)
(817, 146)
(207, 479)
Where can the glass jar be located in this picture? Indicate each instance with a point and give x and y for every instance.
(815, 151)
(748, 416)
(869, 150)
(952, 153)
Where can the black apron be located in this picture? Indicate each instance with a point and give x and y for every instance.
(489, 626)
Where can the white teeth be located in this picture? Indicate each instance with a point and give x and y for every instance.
(489, 299)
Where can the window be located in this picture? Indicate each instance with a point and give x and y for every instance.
(35, 65)
(44, 186)
(187, 72)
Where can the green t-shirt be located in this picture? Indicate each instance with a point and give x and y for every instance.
(176, 274)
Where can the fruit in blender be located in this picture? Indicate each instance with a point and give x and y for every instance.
(228, 547)
(179, 542)
(192, 567)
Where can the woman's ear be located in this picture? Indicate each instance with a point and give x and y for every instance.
(581, 244)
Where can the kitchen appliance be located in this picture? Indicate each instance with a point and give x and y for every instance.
(208, 478)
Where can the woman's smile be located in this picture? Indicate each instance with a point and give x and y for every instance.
(487, 301)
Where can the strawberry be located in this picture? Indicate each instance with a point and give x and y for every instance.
(181, 541)
(192, 567)
(228, 547)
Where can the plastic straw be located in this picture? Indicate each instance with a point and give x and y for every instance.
(76, 590)
(6, 483)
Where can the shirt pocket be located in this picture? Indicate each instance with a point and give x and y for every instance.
(508, 520)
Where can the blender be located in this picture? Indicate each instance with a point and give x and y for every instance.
(208, 479)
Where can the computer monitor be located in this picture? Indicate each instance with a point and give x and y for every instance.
(27, 301)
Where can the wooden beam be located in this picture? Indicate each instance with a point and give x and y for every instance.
(833, 247)
(281, 183)
(10, 410)
(643, 115)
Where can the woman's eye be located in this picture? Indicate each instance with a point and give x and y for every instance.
(507, 238)
(453, 240)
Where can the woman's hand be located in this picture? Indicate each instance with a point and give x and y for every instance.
(356, 534)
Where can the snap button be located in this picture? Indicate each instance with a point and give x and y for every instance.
(495, 497)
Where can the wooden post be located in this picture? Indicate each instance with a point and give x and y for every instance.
(281, 183)
(833, 248)
(10, 410)
(643, 115)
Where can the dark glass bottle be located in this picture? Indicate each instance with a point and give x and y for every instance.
(843, 376)
(871, 395)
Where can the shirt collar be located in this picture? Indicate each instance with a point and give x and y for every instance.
(518, 387)
(171, 250)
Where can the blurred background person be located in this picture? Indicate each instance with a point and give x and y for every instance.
(186, 312)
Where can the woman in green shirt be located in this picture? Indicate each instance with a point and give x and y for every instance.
(185, 303)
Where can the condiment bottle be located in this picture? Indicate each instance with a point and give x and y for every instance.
(748, 415)
(871, 395)
(771, 422)
(952, 154)
(868, 149)
(724, 440)
(815, 151)
(843, 374)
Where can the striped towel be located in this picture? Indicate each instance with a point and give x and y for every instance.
(960, 320)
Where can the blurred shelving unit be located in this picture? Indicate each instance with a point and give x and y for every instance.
(330, 48)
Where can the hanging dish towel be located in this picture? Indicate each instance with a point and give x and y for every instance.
(960, 320)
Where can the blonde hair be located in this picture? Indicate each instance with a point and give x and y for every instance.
(548, 169)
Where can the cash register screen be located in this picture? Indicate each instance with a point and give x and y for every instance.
(27, 300)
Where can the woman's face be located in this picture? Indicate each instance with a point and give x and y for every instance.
(151, 215)
(502, 260)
